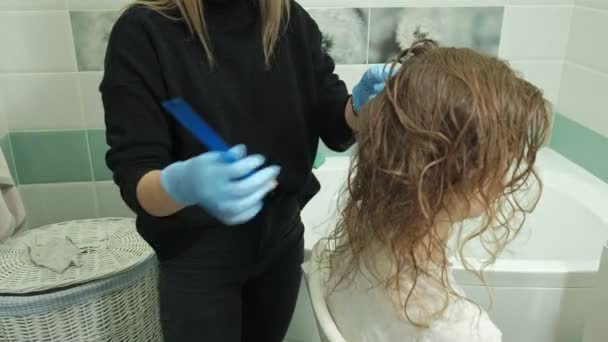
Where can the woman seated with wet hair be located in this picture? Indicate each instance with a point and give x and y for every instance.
(453, 137)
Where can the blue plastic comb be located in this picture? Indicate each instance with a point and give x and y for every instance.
(186, 116)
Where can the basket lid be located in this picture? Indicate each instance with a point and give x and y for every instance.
(106, 247)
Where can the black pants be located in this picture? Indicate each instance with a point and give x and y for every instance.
(233, 286)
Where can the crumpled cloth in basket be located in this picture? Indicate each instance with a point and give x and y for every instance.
(56, 254)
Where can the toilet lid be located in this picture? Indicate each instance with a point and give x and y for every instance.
(106, 246)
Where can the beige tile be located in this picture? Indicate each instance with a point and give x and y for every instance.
(583, 97)
(36, 5)
(35, 209)
(431, 3)
(335, 3)
(3, 120)
(36, 42)
(587, 44)
(598, 4)
(88, 5)
(53, 203)
(109, 201)
(546, 75)
(539, 2)
(91, 99)
(41, 101)
(535, 32)
(70, 201)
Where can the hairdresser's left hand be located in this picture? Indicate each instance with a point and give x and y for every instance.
(371, 84)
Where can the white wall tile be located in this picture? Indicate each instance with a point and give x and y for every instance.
(546, 75)
(600, 4)
(36, 42)
(334, 3)
(3, 120)
(53, 203)
(535, 32)
(41, 101)
(587, 44)
(35, 210)
(91, 99)
(584, 97)
(110, 203)
(24, 5)
(401, 3)
(86, 5)
(351, 74)
(428, 3)
(69, 201)
(539, 2)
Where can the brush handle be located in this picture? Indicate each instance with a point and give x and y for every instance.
(187, 117)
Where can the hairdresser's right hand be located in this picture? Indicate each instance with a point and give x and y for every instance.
(232, 192)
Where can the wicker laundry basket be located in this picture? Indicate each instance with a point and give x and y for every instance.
(111, 296)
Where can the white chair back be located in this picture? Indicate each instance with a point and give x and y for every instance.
(315, 280)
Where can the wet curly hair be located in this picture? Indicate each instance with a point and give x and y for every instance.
(454, 129)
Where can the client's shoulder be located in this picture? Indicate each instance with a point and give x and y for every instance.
(463, 321)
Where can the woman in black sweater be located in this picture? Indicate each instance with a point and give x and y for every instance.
(228, 235)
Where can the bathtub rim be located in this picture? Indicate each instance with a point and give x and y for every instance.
(581, 186)
(530, 273)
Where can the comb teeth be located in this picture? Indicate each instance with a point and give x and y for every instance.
(185, 115)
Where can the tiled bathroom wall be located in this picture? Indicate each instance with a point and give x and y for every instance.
(51, 63)
(581, 134)
(5, 144)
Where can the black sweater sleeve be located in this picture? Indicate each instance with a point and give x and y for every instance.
(332, 97)
(137, 127)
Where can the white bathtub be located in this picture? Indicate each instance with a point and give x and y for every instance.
(541, 285)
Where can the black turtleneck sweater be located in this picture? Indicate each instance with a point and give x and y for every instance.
(280, 112)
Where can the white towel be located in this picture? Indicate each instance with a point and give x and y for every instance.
(12, 212)
(57, 254)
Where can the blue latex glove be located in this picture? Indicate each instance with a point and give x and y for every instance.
(371, 84)
(232, 192)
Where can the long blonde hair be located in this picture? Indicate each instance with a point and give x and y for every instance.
(273, 13)
(453, 127)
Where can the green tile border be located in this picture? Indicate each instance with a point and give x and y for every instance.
(319, 160)
(65, 156)
(5, 145)
(98, 148)
(327, 152)
(581, 145)
(51, 157)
